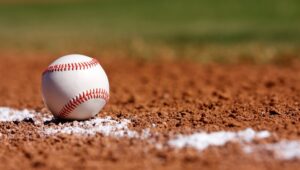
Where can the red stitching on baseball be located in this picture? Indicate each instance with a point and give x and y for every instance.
(71, 66)
(97, 93)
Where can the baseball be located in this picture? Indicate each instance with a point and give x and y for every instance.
(75, 87)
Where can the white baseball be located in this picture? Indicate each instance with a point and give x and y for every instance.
(75, 87)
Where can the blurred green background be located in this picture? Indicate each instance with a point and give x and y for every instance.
(58, 25)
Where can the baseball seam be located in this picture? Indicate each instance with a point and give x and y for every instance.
(71, 66)
(97, 93)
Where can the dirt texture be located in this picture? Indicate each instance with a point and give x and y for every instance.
(177, 96)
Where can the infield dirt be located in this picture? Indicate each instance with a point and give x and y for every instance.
(168, 97)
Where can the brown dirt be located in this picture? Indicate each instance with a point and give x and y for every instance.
(177, 96)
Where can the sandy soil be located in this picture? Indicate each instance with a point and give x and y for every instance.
(175, 96)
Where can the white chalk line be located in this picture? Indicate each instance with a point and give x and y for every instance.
(202, 140)
(283, 150)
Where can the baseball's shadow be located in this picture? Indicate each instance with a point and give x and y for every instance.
(57, 121)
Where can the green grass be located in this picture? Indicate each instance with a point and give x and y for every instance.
(90, 23)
